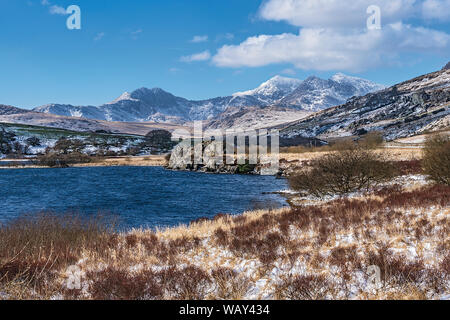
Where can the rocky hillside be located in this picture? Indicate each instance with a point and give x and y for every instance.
(157, 105)
(9, 110)
(406, 109)
(315, 94)
(81, 124)
(251, 118)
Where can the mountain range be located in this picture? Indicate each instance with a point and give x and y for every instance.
(413, 107)
(157, 105)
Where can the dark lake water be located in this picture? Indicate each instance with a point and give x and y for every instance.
(139, 196)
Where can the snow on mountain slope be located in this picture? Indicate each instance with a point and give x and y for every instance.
(272, 90)
(407, 109)
(315, 94)
(158, 105)
(362, 86)
(252, 118)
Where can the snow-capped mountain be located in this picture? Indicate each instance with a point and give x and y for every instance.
(157, 105)
(406, 109)
(315, 94)
(272, 90)
(361, 86)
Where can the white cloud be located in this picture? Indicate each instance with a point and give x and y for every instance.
(229, 36)
(174, 70)
(333, 35)
(198, 39)
(55, 9)
(289, 71)
(99, 36)
(332, 49)
(136, 33)
(334, 13)
(436, 9)
(202, 56)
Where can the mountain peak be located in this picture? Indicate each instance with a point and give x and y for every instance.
(146, 92)
(313, 79)
(275, 86)
(8, 110)
(447, 66)
(279, 78)
(124, 96)
(363, 86)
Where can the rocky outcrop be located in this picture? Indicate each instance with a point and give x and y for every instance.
(213, 160)
(447, 66)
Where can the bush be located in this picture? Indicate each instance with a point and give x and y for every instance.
(33, 141)
(55, 160)
(371, 140)
(66, 146)
(436, 159)
(34, 246)
(245, 168)
(343, 172)
(158, 140)
(309, 287)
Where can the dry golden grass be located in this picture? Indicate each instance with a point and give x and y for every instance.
(392, 154)
(138, 161)
(309, 252)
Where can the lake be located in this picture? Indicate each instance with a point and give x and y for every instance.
(139, 196)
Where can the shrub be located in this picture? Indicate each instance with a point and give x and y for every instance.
(6, 141)
(189, 283)
(158, 140)
(56, 160)
(309, 287)
(66, 146)
(230, 286)
(114, 284)
(436, 159)
(407, 167)
(33, 141)
(245, 168)
(372, 140)
(343, 172)
(33, 247)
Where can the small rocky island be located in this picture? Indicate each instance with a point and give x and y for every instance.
(214, 159)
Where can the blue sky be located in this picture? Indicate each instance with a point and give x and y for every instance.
(206, 48)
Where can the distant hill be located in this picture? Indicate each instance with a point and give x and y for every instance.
(8, 110)
(447, 66)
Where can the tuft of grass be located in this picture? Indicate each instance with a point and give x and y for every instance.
(34, 248)
(304, 287)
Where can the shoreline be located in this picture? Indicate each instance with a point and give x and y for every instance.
(139, 161)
